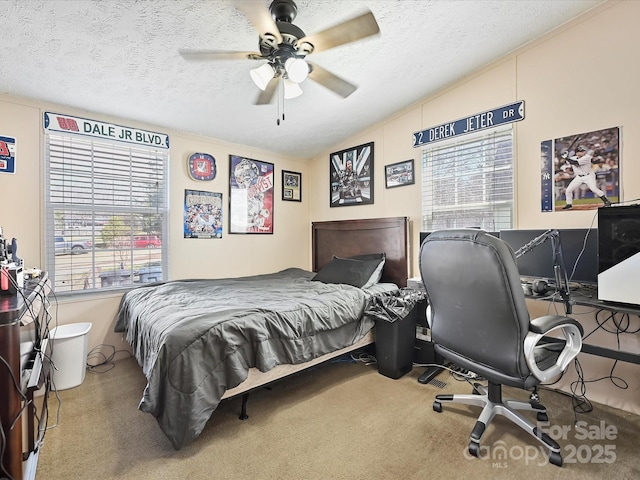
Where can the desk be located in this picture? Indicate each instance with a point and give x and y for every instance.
(588, 297)
(20, 380)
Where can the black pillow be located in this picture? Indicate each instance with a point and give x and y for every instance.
(377, 273)
(348, 271)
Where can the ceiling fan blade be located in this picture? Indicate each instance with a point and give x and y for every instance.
(218, 55)
(260, 17)
(359, 27)
(331, 81)
(266, 96)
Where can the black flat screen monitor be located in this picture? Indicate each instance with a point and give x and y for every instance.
(538, 263)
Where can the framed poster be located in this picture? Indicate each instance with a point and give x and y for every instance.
(291, 186)
(399, 174)
(202, 214)
(351, 176)
(250, 195)
(582, 171)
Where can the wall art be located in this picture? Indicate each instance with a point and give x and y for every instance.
(351, 176)
(250, 195)
(291, 186)
(202, 214)
(399, 174)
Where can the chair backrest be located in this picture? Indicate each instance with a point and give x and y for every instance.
(479, 316)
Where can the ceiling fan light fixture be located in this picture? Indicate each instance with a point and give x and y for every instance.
(291, 89)
(262, 75)
(297, 69)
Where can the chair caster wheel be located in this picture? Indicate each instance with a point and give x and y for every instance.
(474, 449)
(542, 417)
(437, 407)
(555, 458)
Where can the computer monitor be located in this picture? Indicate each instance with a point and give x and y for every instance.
(573, 242)
(581, 265)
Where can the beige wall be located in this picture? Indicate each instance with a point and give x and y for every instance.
(582, 77)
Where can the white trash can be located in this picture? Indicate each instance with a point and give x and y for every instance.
(70, 345)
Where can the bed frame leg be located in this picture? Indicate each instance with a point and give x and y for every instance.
(243, 409)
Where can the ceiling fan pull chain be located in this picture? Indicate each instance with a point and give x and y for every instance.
(280, 94)
(280, 99)
(283, 100)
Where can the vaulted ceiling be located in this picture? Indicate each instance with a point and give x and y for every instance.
(120, 58)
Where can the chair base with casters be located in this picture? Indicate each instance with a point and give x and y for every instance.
(492, 404)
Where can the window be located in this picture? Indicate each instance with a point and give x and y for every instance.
(105, 213)
(469, 183)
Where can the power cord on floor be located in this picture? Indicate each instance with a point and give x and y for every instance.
(106, 362)
(458, 373)
(365, 358)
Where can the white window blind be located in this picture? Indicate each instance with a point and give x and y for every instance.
(106, 213)
(469, 183)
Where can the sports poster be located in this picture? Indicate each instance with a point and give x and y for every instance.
(582, 171)
(7, 155)
(202, 214)
(250, 195)
(351, 176)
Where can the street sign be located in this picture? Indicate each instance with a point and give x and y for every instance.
(480, 121)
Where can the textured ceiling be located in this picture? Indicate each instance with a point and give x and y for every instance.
(120, 58)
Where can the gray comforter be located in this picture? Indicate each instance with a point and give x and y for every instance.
(197, 338)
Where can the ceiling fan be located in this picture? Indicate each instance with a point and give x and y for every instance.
(285, 46)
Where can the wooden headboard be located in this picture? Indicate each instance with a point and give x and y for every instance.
(345, 238)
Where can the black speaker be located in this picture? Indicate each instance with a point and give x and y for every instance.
(618, 235)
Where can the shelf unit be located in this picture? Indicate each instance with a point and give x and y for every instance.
(21, 377)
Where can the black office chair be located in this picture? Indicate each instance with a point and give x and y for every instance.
(479, 321)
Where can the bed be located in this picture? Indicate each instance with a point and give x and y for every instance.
(200, 341)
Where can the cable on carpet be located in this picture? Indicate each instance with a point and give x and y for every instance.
(365, 358)
(105, 362)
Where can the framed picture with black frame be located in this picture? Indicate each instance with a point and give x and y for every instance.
(351, 176)
(399, 174)
(291, 186)
(250, 195)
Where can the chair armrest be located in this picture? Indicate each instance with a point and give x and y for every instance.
(549, 322)
(572, 332)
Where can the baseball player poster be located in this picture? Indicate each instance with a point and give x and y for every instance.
(581, 171)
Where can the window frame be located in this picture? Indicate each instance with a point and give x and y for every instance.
(489, 213)
(83, 167)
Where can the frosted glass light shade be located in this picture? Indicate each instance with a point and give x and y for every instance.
(297, 69)
(262, 75)
(291, 89)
